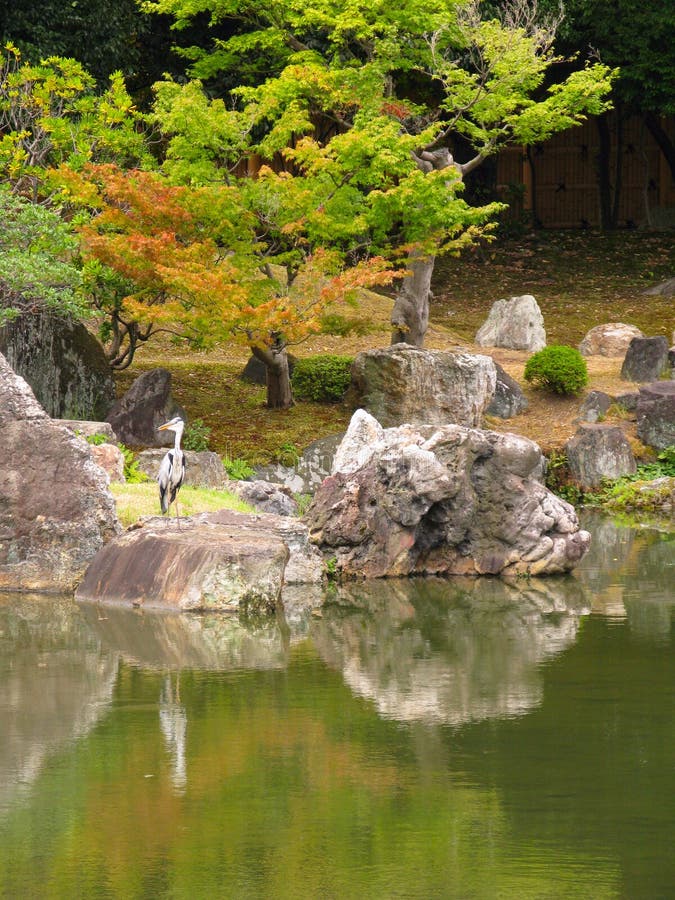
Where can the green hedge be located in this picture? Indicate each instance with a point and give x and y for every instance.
(322, 378)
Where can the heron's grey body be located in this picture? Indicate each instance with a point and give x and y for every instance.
(172, 470)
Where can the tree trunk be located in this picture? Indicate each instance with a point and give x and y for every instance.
(410, 316)
(279, 394)
(666, 145)
(604, 180)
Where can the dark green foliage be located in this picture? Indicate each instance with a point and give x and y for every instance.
(196, 436)
(322, 378)
(557, 368)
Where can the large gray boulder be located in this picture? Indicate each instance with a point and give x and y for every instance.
(599, 451)
(656, 414)
(402, 383)
(646, 359)
(516, 323)
(610, 339)
(203, 468)
(56, 510)
(227, 561)
(147, 404)
(62, 362)
(442, 500)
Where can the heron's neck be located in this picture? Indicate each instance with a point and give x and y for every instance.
(179, 435)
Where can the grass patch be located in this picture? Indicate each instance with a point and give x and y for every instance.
(135, 500)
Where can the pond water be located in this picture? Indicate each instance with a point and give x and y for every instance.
(417, 739)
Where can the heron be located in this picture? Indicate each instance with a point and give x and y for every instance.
(172, 470)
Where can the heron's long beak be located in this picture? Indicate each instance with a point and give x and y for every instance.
(164, 426)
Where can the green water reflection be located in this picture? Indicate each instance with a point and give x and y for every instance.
(422, 739)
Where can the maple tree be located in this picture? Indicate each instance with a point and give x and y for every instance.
(207, 263)
(369, 104)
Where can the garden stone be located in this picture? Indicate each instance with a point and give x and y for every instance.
(656, 414)
(508, 399)
(646, 359)
(265, 496)
(629, 401)
(663, 289)
(599, 451)
(611, 339)
(516, 323)
(87, 429)
(63, 363)
(224, 560)
(111, 459)
(594, 407)
(147, 404)
(56, 510)
(203, 468)
(403, 383)
(310, 470)
(444, 500)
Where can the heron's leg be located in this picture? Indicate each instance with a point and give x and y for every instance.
(177, 515)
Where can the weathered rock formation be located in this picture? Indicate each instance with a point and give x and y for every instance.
(62, 362)
(147, 404)
(646, 359)
(406, 384)
(55, 507)
(610, 339)
(516, 323)
(214, 561)
(656, 414)
(599, 451)
(441, 500)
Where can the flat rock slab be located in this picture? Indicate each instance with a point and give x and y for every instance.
(224, 561)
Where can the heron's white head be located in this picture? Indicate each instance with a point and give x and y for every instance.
(175, 424)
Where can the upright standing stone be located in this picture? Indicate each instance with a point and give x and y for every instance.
(56, 510)
(516, 323)
(599, 451)
(147, 404)
(646, 359)
(656, 414)
(62, 362)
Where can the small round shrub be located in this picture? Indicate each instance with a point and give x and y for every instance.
(557, 368)
(322, 378)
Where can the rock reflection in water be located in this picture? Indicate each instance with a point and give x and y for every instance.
(630, 574)
(56, 683)
(449, 651)
(174, 641)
